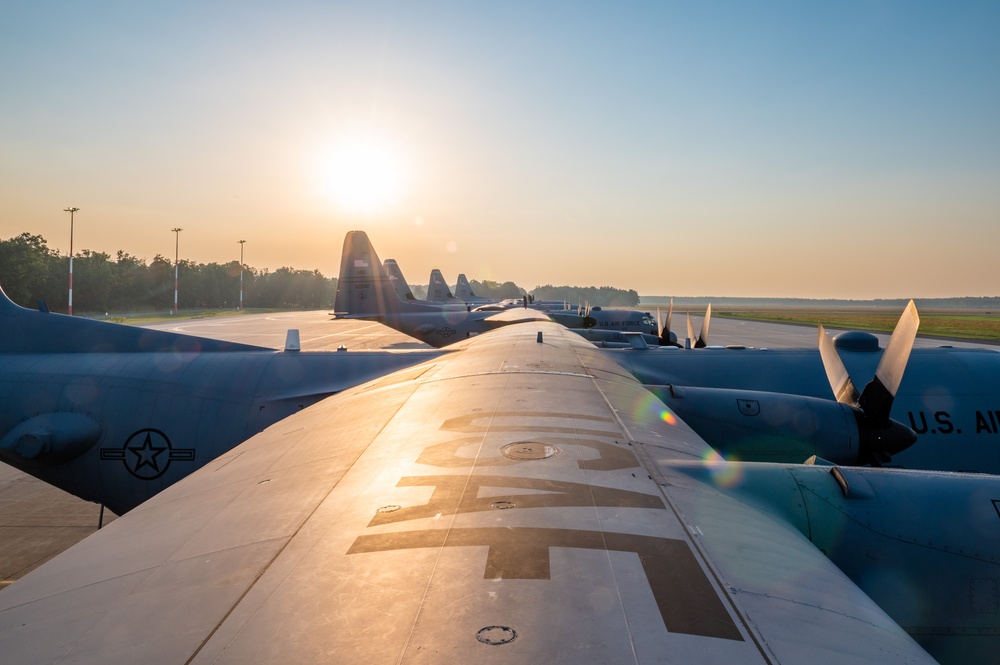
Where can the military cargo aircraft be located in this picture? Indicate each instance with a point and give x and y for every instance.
(521, 499)
(114, 413)
(854, 429)
(949, 397)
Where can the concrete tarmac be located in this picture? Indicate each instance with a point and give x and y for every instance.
(37, 521)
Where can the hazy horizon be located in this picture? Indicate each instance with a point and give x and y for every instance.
(774, 149)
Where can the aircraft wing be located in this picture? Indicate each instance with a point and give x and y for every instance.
(517, 315)
(512, 502)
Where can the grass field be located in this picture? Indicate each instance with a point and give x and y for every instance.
(955, 324)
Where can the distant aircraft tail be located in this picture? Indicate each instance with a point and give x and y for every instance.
(437, 290)
(363, 288)
(397, 279)
(463, 290)
(32, 331)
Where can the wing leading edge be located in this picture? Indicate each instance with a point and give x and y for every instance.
(513, 502)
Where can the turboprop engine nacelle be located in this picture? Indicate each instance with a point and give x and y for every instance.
(775, 427)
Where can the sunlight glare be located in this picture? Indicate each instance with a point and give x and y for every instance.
(363, 176)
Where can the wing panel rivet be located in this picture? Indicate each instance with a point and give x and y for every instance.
(496, 635)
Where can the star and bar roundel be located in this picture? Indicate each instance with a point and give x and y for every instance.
(147, 454)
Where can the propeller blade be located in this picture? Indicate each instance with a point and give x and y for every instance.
(876, 399)
(836, 373)
(667, 338)
(659, 322)
(703, 335)
(690, 330)
(881, 437)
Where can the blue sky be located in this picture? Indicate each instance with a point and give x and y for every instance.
(765, 149)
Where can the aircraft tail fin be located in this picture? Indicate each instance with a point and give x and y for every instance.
(363, 287)
(6, 304)
(437, 290)
(395, 275)
(463, 289)
(25, 330)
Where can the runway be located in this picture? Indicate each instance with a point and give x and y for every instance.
(37, 521)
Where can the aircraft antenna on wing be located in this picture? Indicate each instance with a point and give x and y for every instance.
(292, 340)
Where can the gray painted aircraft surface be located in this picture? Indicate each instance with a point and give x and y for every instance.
(853, 429)
(949, 397)
(464, 292)
(395, 275)
(365, 291)
(114, 414)
(438, 291)
(522, 499)
(599, 318)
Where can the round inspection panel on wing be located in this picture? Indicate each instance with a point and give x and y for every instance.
(529, 450)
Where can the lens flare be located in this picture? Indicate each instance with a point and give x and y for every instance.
(724, 473)
(650, 407)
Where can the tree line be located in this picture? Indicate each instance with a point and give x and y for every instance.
(31, 272)
(605, 296)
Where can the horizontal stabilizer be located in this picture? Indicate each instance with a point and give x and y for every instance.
(31, 331)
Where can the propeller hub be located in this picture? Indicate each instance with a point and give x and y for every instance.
(878, 442)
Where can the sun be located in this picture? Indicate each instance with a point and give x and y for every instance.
(363, 175)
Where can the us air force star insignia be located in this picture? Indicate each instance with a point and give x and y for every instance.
(445, 332)
(147, 454)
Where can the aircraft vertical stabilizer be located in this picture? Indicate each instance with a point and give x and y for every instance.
(395, 275)
(463, 290)
(25, 330)
(437, 290)
(363, 287)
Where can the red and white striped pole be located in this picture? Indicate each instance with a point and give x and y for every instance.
(177, 244)
(70, 210)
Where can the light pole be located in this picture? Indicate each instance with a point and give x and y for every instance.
(177, 244)
(70, 210)
(242, 242)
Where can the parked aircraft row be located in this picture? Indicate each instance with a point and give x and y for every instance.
(525, 496)
(422, 318)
